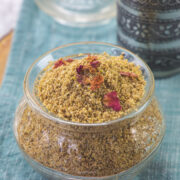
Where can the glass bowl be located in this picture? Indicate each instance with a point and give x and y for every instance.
(61, 149)
(79, 13)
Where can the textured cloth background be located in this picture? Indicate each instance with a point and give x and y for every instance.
(35, 34)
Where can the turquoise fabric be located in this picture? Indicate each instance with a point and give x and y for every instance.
(37, 33)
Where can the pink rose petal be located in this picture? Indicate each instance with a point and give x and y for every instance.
(95, 64)
(111, 100)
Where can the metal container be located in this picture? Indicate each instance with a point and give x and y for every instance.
(151, 29)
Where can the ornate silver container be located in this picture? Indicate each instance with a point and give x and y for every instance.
(151, 28)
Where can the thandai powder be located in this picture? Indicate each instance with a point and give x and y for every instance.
(93, 89)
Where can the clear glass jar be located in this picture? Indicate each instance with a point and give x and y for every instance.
(62, 149)
(79, 12)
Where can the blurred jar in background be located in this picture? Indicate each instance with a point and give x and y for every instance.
(151, 28)
(80, 13)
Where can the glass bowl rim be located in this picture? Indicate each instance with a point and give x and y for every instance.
(31, 101)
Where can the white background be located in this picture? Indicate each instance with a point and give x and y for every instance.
(9, 10)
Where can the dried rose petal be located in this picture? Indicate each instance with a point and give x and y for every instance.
(95, 86)
(96, 82)
(111, 100)
(83, 79)
(129, 74)
(115, 105)
(79, 78)
(95, 64)
(89, 68)
(109, 96)
(60, 62)
(86, 67)
(79, 69)
(94, 58)
(70, 60)
(86, 81)
(91, 58)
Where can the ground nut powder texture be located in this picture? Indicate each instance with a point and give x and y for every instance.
(76, 90)
(83, 153)
(94, 89)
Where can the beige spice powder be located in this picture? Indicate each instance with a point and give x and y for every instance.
(93, 150)
(102, 152)
(61, 93)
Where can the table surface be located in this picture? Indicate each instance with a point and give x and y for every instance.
(9, 10)
(5, 44)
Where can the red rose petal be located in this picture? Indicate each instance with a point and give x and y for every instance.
(95, 64)
(60, 62)
(96, 82)
(111, 100)
(70, 60)
(129, 74)
(79, 69)
(115, 105)
(79, 78)
(91, 58)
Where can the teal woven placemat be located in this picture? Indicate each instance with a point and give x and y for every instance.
(35, 34)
